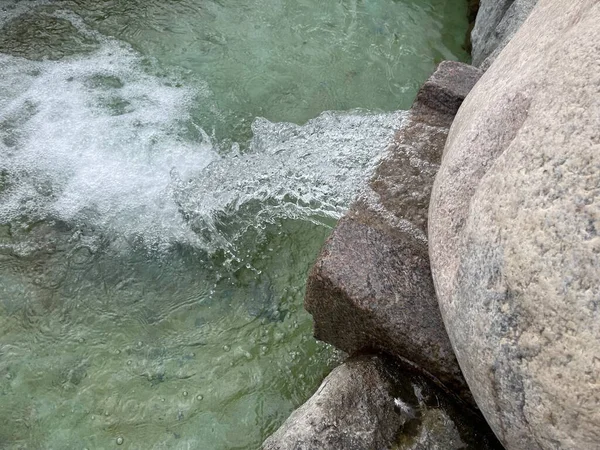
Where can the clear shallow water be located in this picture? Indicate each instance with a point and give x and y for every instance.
(159, 212)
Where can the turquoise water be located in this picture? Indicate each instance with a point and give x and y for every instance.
(168, 173)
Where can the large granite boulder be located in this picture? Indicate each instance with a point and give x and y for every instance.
(371, 287)
(514, 243)
(497, 22)
(369, 403)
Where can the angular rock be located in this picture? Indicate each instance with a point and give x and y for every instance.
(497, 22)
(371, 287)
(514, 243)
(371, 403)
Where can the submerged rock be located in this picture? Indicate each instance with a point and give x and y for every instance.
(371, 287)
(514, 244)
(40, 37)
(369, 402)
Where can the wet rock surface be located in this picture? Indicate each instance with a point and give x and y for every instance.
(497, 22)
(514, 245)
(371, 287)
(370, 402)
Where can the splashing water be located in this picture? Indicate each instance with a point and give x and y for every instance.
(97, 141)
(156, 229)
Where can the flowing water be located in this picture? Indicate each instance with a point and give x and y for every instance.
(168, 172)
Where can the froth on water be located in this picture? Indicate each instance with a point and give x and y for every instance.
(107, 141)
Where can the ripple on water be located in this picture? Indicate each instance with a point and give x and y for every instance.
(152, 269)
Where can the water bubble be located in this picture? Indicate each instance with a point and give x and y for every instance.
(120, 440)
(199, 397)
(185, 393)
(226, 348)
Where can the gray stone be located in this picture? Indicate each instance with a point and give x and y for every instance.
(514, 244)
(371, 403)
(497, 22)
(371, 287)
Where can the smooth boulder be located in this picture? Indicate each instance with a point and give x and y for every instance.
(513, 229)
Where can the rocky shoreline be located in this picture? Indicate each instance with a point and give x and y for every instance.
(490, 271)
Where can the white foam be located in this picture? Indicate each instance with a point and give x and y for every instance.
(75, 160)
(110, 153)
(305, 172)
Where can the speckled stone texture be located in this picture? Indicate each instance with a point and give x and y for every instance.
(514, 244)
(371, 287)
(497, 22)
(370, 403)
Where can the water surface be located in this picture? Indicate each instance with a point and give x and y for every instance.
(168, 173)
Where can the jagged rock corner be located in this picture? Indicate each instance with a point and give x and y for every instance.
(371, 291)
(509, 236)
(371, 287)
